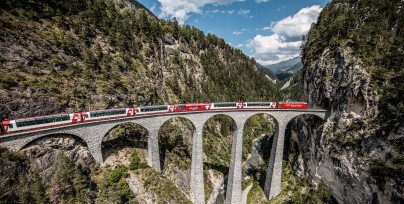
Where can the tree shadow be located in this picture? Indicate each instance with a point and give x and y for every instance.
(177, 146)
(123, 136)
(222, 169)
(258, 172)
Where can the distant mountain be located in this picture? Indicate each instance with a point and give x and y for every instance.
(278, 67)
(285, 69)
(286, 73)
(268, 73)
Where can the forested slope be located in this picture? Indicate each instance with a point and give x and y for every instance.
(64, 56)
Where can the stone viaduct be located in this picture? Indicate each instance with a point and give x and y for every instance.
(93, 133)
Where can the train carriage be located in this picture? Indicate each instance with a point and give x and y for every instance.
(259, 105)
(108, 114)
(192, 107)
(293, 105)
(226, 105)
(33, 123)
(148, 110)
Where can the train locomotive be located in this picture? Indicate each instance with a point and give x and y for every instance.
(50, 121)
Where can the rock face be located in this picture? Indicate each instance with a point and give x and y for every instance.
(43, 153)
(36, 173)
(358, 151)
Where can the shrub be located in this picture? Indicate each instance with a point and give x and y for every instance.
(135, 162)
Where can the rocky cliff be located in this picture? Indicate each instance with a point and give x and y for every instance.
(353, 58)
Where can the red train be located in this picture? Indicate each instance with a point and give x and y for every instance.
(49, 121)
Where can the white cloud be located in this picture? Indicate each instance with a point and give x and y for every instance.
(180, 9)
(294, 27)
(239, 32)
(269, 27)
(285, 41)
(243, 12)
(240, 45)
(259, 1)
(272, 49)
(228, 11)
(211, 13)
(153, 8)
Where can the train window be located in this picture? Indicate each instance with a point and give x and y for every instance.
(60, 118)
(259, 104)
(38, 121)
(181, 106)
(225, 104)
(10, 126)
(21, 123)
(107, 113)
(30, 122)
(157, 108)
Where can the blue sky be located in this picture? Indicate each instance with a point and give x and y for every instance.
(268, 30)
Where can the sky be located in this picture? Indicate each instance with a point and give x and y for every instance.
(268, 30)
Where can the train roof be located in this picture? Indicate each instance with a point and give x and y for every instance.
(292, 102)
(193, 104)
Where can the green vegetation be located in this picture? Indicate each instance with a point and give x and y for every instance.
(346, 140)
(113, 187)
(254, 128)
(247, 183)
(208, 185)
(372, 29)
(136, 162)
(175, 137)
(11, 156)
(217, 140)
(32, 191)
(393, 168)
(294, 190)
(125, 135)
(161, 187)
(294, 91)
(106, 54)
(68, 183)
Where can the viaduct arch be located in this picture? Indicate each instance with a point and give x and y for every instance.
(92, 134)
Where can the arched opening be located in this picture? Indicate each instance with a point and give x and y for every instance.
(46, 148)
(258, 134)
(302, 132)
(122, 142)
(301, 135)
(57, 163)
(218, 133)
(175, 143)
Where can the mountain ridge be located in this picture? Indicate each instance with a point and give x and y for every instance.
(286, 64)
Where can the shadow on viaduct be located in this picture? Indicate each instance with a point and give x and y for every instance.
(93, 133)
